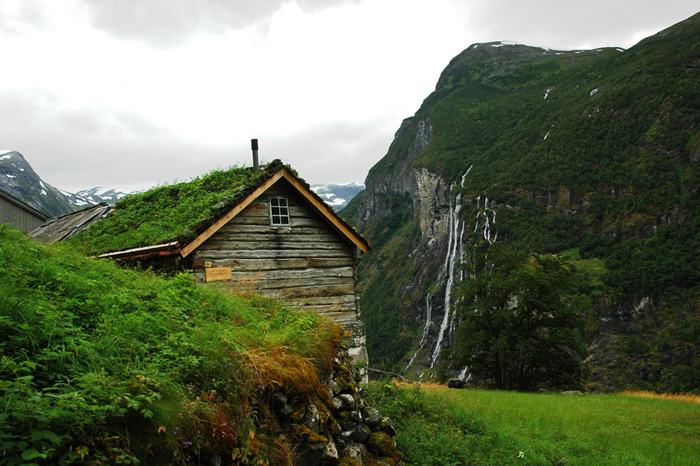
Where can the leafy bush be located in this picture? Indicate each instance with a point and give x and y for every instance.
(103, 365)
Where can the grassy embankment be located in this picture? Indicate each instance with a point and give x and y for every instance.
(457, 427)
(102, 365)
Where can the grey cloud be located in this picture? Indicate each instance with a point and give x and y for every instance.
(166, 23)
(87, 147)
(572, 24)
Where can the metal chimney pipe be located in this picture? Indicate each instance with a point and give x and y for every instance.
(254, 147)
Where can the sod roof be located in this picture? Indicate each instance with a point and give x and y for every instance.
(175, 212)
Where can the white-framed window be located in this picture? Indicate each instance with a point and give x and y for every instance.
(279, 211)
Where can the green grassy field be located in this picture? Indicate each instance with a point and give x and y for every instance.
(481, 427)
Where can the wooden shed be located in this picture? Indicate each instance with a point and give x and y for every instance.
(19, 214)
(272, 236)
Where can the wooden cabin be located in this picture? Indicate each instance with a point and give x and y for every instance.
(275, 238)
(19, 214)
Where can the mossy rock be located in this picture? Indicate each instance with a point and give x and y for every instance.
(382, 444)
(307, 435)
(347, 461)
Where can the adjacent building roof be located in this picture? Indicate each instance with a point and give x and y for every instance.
(178, 218)
(68, 225)
(22, 205)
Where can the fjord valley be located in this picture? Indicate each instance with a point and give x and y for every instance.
(592, 155)
(519, 274)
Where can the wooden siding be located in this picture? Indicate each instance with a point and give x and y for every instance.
(19, 218)
(307, 265)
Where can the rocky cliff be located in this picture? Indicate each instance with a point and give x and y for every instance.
(590, 153)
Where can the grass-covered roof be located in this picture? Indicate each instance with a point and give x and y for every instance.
(175, 212)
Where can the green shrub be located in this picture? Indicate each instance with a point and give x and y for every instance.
(104, 365)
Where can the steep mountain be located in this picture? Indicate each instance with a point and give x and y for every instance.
(592, 153)
(337, 195)
(19, 179)
(101, 194)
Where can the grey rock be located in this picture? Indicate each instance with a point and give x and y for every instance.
(337, 403)
(334, 387)
(456, 383)
(346, 436)
(348, 401)
(372, 416)
(386, 426)
(330, 452)
(572, 392)
(346, 422)
(356, 416)
(356, 451)
(361, 433)
(312, 419)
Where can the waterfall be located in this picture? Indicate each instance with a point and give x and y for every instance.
(449, 264)
(464, 374)
(426, 328)
(454, 246)
(452, 271)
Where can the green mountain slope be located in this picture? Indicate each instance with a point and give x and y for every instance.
(596, 150)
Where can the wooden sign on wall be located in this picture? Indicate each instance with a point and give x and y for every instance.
(217, 274)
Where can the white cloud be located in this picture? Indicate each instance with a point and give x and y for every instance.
(180, 87)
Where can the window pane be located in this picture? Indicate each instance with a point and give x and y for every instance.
(279, 211)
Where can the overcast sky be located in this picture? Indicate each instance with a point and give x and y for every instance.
(131, 93)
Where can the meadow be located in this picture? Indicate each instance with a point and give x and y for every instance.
(437, 425)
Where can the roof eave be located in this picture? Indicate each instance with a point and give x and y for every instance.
(163, 249)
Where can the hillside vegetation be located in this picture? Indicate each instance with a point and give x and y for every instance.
(437, 425)
(102, 365)
(597, 151)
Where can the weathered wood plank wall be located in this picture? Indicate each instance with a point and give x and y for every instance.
(307, 264)
(18, 217)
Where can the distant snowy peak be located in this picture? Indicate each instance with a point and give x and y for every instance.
(337, 195)
(21, 181)
(101, 194)
(545, 50)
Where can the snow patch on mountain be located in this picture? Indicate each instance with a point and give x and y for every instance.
(337, 195)
(102, 194)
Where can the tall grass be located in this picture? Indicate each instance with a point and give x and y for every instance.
(104, 365)
(441, 426)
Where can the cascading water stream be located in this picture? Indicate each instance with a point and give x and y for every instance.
(454, 246)
(426, 328)
(453, 271)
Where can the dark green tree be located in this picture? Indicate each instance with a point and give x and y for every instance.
(521, 321)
